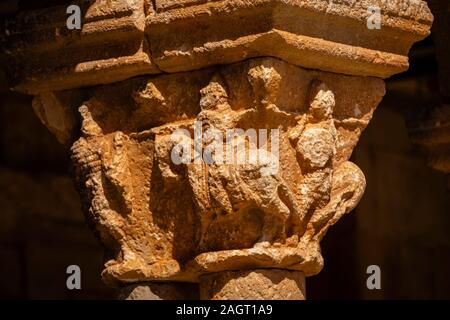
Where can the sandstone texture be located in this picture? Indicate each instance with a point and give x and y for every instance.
(174, 222)
(125, 38)
(160, 291)
(262, 284)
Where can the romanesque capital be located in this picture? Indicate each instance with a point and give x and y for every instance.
(211, 139)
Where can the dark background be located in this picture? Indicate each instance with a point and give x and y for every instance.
(402, 223)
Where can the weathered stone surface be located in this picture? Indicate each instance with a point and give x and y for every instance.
(201, 219)
(160, 291)
(44, 55)
(126, 38)
(262, 284)
(432, 131)
(225, 217)
(441, 39)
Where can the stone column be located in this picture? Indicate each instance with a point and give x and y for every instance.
(211, 140)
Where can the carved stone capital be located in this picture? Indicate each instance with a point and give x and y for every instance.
(171, 178)
(124, 38)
